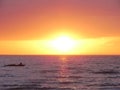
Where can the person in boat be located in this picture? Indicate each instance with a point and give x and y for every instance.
(20, 64)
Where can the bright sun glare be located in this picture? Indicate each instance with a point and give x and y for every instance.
(63, 43)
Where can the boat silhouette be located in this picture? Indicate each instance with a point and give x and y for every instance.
(15, 65)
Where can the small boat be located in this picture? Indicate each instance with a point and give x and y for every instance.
(15, 65)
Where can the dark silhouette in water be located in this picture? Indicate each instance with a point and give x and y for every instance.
(15, 65)
(107, 72)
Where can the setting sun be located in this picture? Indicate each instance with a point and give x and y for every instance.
(59, 27)
(63, 43)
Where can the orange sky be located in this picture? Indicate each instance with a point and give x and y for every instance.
(27, 25)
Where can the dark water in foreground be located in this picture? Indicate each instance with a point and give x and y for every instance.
(60, 73)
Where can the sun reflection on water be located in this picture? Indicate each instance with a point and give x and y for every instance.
(64, 72)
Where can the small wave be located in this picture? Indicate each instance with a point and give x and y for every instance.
(39, 88)
(104, 84)
(106, 72)
(6, 75)
(68, 82)
(23, 87)
(49, 71)
(72, 77)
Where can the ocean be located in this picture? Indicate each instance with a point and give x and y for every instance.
(60, 72)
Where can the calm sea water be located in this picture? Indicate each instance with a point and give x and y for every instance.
(60, 73)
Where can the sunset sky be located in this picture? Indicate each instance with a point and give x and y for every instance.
(28, 26)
